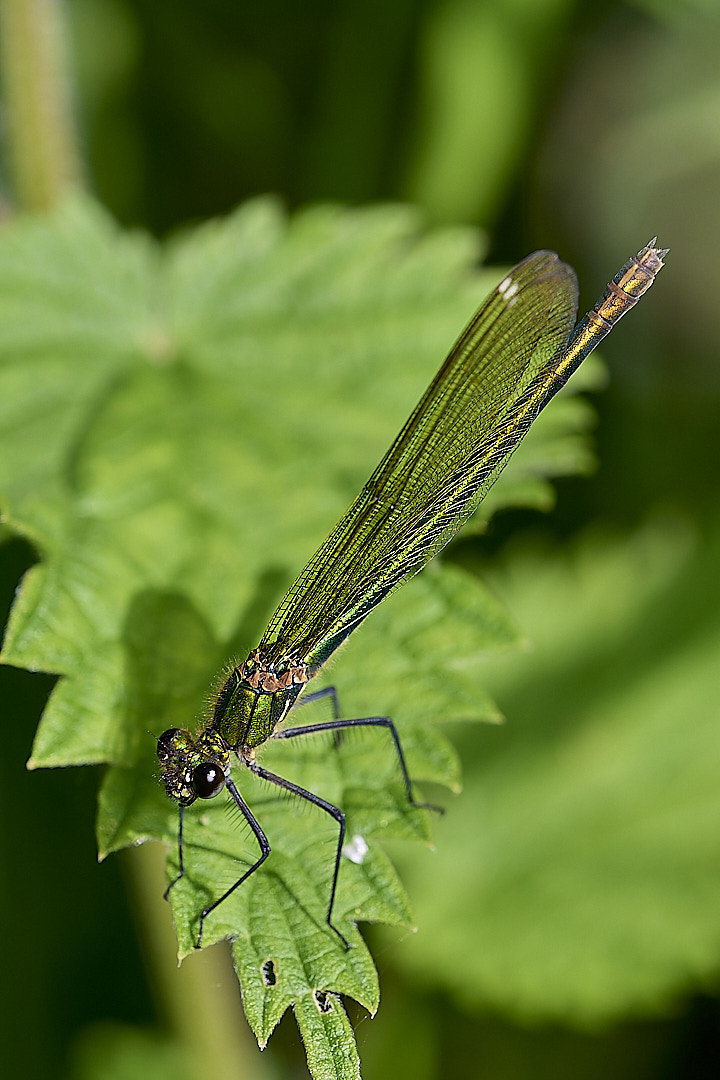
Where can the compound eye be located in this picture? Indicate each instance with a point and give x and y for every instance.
(167, 742)
(208, 780)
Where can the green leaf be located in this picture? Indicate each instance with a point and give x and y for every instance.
(581, 871)
(181, 426)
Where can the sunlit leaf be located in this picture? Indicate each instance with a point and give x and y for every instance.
(180, 428)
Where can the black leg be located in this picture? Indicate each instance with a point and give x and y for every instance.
(336, 726)
(181, 854)
(371, 721)
(264, 852)
(318, 695)
(328, 807)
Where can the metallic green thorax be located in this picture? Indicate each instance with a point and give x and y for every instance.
(256, 697)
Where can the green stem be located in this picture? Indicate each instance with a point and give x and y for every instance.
(200, 999)
(41, 140)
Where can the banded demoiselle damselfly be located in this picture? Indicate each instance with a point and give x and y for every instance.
(515, 354)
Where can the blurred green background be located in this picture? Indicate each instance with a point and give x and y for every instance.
(586, 128)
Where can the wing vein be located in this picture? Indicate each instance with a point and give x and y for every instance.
(452, 448)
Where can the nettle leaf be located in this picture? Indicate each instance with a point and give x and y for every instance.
(581, 869)
(181, 426)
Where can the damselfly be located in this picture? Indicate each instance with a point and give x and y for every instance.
(515, 354)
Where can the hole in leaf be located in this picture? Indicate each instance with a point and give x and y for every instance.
(323, 1001)
(268, 973)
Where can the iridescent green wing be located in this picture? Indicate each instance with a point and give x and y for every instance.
(471, 418)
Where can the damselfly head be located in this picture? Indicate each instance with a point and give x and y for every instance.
(192, 768)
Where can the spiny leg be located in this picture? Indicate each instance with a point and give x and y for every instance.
(318, 695)
(323, 804)
(337, 726)
(264, 852)
(370, 721)
(181, 854)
